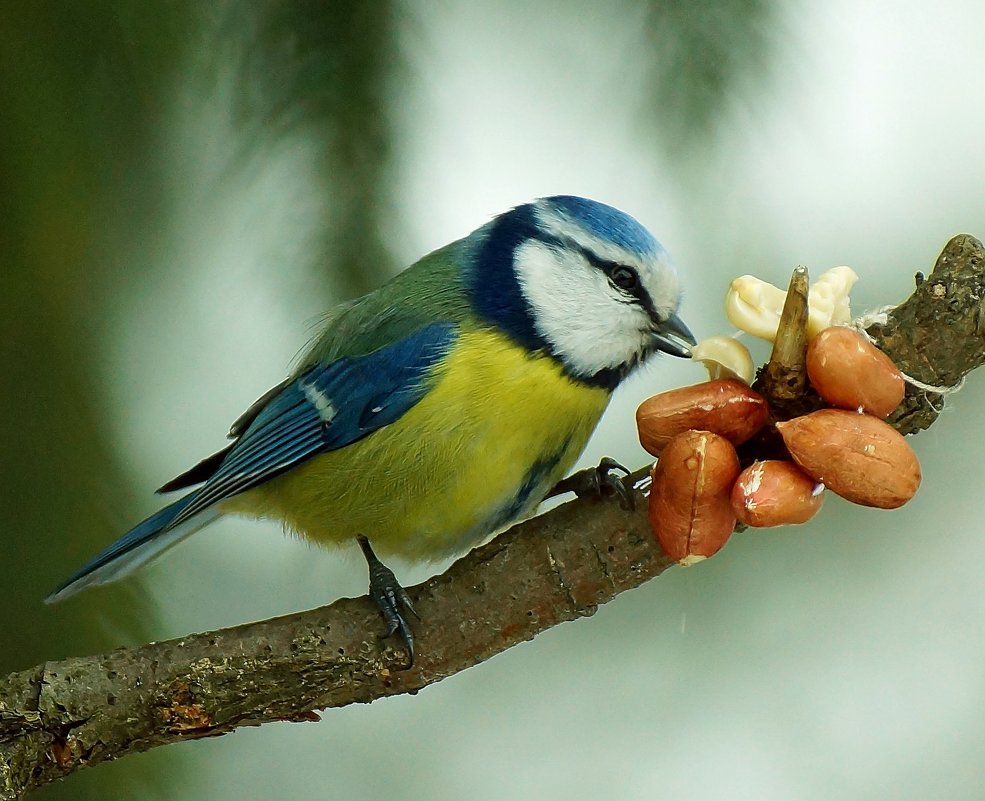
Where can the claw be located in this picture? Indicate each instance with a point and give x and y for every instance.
(390, 597)
(598, 481)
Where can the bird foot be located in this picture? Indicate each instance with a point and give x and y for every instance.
(599, 481)
(391, 598)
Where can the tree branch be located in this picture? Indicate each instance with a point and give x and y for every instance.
(61, 716)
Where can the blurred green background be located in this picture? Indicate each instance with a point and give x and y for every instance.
(185, 187)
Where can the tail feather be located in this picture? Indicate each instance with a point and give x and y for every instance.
(144, 542)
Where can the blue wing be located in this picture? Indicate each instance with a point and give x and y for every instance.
(327, 407)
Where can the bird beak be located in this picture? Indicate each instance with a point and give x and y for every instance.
(673, 337)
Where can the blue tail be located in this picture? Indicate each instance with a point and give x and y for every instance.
(143, 542)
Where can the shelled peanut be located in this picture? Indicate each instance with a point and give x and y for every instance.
(856, 456)
(725, 406)
(848, 449)
(850, 372)
(690, 511)
(774, 492)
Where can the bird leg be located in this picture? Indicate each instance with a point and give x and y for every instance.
(390, 597)
(598, 481)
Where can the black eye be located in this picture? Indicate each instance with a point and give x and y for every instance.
(624, 278)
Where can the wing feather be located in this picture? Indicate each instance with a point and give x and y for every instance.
(325, 408)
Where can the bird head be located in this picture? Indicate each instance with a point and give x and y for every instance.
(581, 281)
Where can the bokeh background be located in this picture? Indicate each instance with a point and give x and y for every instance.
(185, 187)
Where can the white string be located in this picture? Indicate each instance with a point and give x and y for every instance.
(880, 316)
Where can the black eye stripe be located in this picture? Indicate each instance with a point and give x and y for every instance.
(636, 291)
(622, 275)
(606, 266)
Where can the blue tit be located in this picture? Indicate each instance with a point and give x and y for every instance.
(444, 405)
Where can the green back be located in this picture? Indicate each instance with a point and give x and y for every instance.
(430, 290)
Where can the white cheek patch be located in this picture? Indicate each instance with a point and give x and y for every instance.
(656, 271)
(588, 322)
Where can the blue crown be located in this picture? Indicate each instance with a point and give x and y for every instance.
(607, 223)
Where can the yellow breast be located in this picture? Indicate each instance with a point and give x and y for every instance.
(496, 431)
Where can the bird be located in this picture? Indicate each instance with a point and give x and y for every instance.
(442, 406)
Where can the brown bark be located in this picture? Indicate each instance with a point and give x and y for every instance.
(60, 716)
